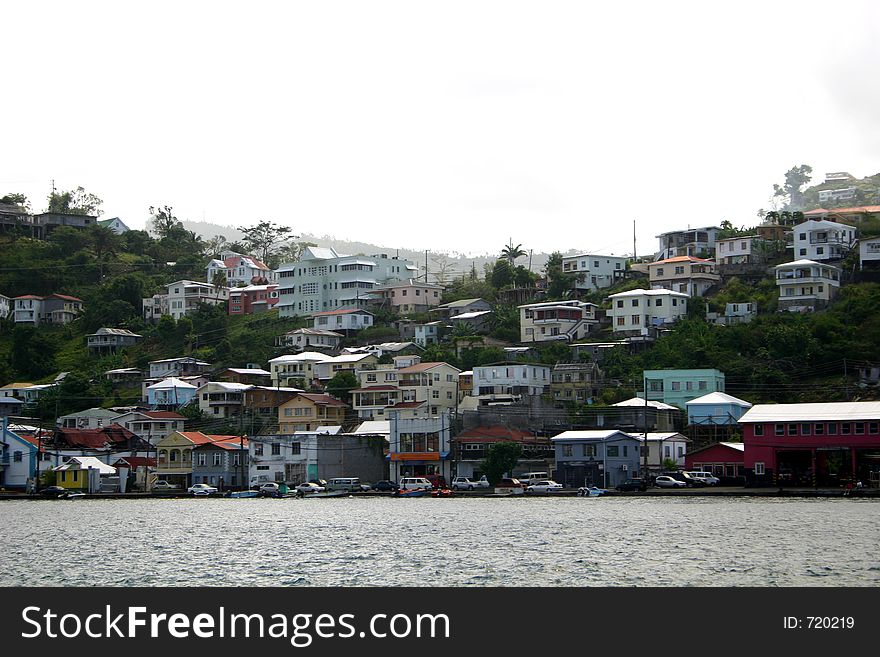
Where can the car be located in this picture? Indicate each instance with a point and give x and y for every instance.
(632, 484)
(544, 486)
(707, 478)
(665, 481)
(385, 485)
(509, 482)
(164, 485)
(270, 488)
(530, 478)
(53, 491)
(482, 482)
(591, 491)
(309, 487)
(318, 482)
(201, 489)
(463, 483)
(415, 483)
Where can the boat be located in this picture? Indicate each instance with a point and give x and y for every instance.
(322, 494)
(243, 493)
(591, 491)
(71, 496)
(441, 492)
(413, 492)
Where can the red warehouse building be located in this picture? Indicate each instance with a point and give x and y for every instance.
(721, 459)
(828, 444)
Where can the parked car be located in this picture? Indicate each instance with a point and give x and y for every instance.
(53, 491)
(482, 482)
(309, 487)
(665, 481)
(632, 484)
(164, 485)
(385, 485)
(348, 484)
(591, 491)
(510, 482)
(544, 486)
(201, 489)
(415, 483)
(463, 483)
(318, 482)
(706, 478)
(530, 478)
(270, 488)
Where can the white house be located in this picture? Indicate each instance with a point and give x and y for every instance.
(325, 280)
(91, 418)
(184, 297)
(662, 446)
(635, 311)
(18, 459)
(295, 367)
(409, 296)
(511, 379)
(734, 313)
(699, 242)
(806, 285)
(304, 339)
(687, 274)
(151, 426)
(716, 408)
(822, 240)
(115, 224)
(597, 270)
(330, 367)
(183, 365)
(222, 399)
(240, 270)
(5, 306)
(869, 253)
(414, 389)
(556, 320)
(345, 320)
(420, 446)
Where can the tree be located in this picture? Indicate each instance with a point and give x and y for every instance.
(443, 268)
(511, 252)
(218, 282)
(559, 282)
(292, 251)
(264, 239)
(16, 199)
(164, 224)
(104, 242)
(78, 201)
(215, 245)
(341, 385)
(501, 275)
(501, 459)
(791, 192)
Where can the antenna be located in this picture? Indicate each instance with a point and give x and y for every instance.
(635, 253)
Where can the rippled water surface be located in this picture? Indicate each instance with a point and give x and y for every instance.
(449, 542)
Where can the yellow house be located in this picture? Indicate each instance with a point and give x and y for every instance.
(82, 473)
(306, 412)
(174, 452)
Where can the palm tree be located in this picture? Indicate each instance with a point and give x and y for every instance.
(511, 252)
(104, 242)
(218, 281)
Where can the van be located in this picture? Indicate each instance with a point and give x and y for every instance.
(530, 478)
(350, 484)
(705, 477)
(415, 483)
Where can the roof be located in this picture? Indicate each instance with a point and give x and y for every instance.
(374, 426)
(113, 434)
(314, 331)
(805, 263)
(685, 258)
(225, 385)
(87, 463)
(719, 398)
(471, 315)
(861, 208)
(494, 433)
(171, 382)
(649, 293)
(423, 367)
(739, 447)
(655, 436)
(124, 370)
(639, 401)
(562, 304)
(591, 435)
(345, 358)
(230, 443)
(99, 413)
(66, 297)
(341, 311)
(461, 303)
(304, 356)
(199, 438)
(136, 461)
(827, 411)
(251, 371)
(322, 399)
(375, 389)
(116, 331)
(163, 415)
(180, 358)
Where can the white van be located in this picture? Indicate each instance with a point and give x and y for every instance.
(350, 484)
(704, 477)
(415, 483)
(530, 478)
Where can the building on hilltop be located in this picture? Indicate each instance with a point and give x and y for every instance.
(594, 271)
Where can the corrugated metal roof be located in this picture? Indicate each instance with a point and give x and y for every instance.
(827, 411)
(719, 398)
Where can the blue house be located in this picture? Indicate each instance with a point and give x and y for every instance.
(678, 387)
(595, 458)
(716, 408)
(18, 460)
(170, 394)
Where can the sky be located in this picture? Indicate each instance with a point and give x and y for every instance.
(453, 126)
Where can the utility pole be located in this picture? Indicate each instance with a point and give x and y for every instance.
(426, 265)
(635, 253)
(645, 453)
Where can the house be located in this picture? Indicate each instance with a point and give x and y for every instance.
(478, 321)
(635, 414)
(92, 418)
(594, 351)
(677, 387)
(110, 340)
(686, 274)
(346, 320)
(110, 441)
(325, 453)
(471, 447)
(263, 401)
(222, 463)
(182, 298)
(716, 408)
(412, 389)
(429, 333)
(822, 240)
(595, 458)
(52, 309)
(575, 382)
(465, 383)
(327, 368)
(724, 460)
(151, 426)
(296, 369)
(18, 460)
(740, 250)
(410, 296)
(46, 222)
(83, 473)
(636, 311)
(170, 393)
(307, 339)
(182, 366)
(394, 349)
(697, 242)
(252, 299)
(115, 224)
(5, 306)
(10, 405)
(852, 215)
(325, 280)
(663, 447)
(805, 285)
(308, 411)
(812, 444)
(222, 399)
(446, 310)
(140, 472)
(420, 446)
(869, 253)
(175, 455)
(511, 379)
(124, 375)
(734, 313)
(557, 320)
(594, 271)
(253, 376)
(239, 270)
(25, 392)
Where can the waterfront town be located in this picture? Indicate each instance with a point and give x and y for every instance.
(356, 389)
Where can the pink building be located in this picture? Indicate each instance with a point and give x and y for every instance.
(252, 299)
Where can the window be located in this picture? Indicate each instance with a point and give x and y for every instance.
(780, 430)
(296, 449)
(620, 303)
(621, 321)
(832, 428)
(819, 429)
(276, 449)
(566, 450)
(759, 430)
(217, 458)
(667, 451)
(759, 468)
(679, 270)
(202, 459)
(806, 429)
(680, 451)
(703, 385)
(635, 303)
(860, 428)
(792, 429)
(435, 394)
(872, 428)
(17, 456)
(659, 271)
(613, 450)
(676, 385)
(658, 302)
(845, 428)
(635, 319)
(589, 450)
(626, 450)
(258, 449)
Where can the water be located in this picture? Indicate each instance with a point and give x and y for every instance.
(441, 542)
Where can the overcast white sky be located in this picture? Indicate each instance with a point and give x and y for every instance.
(450, 126)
